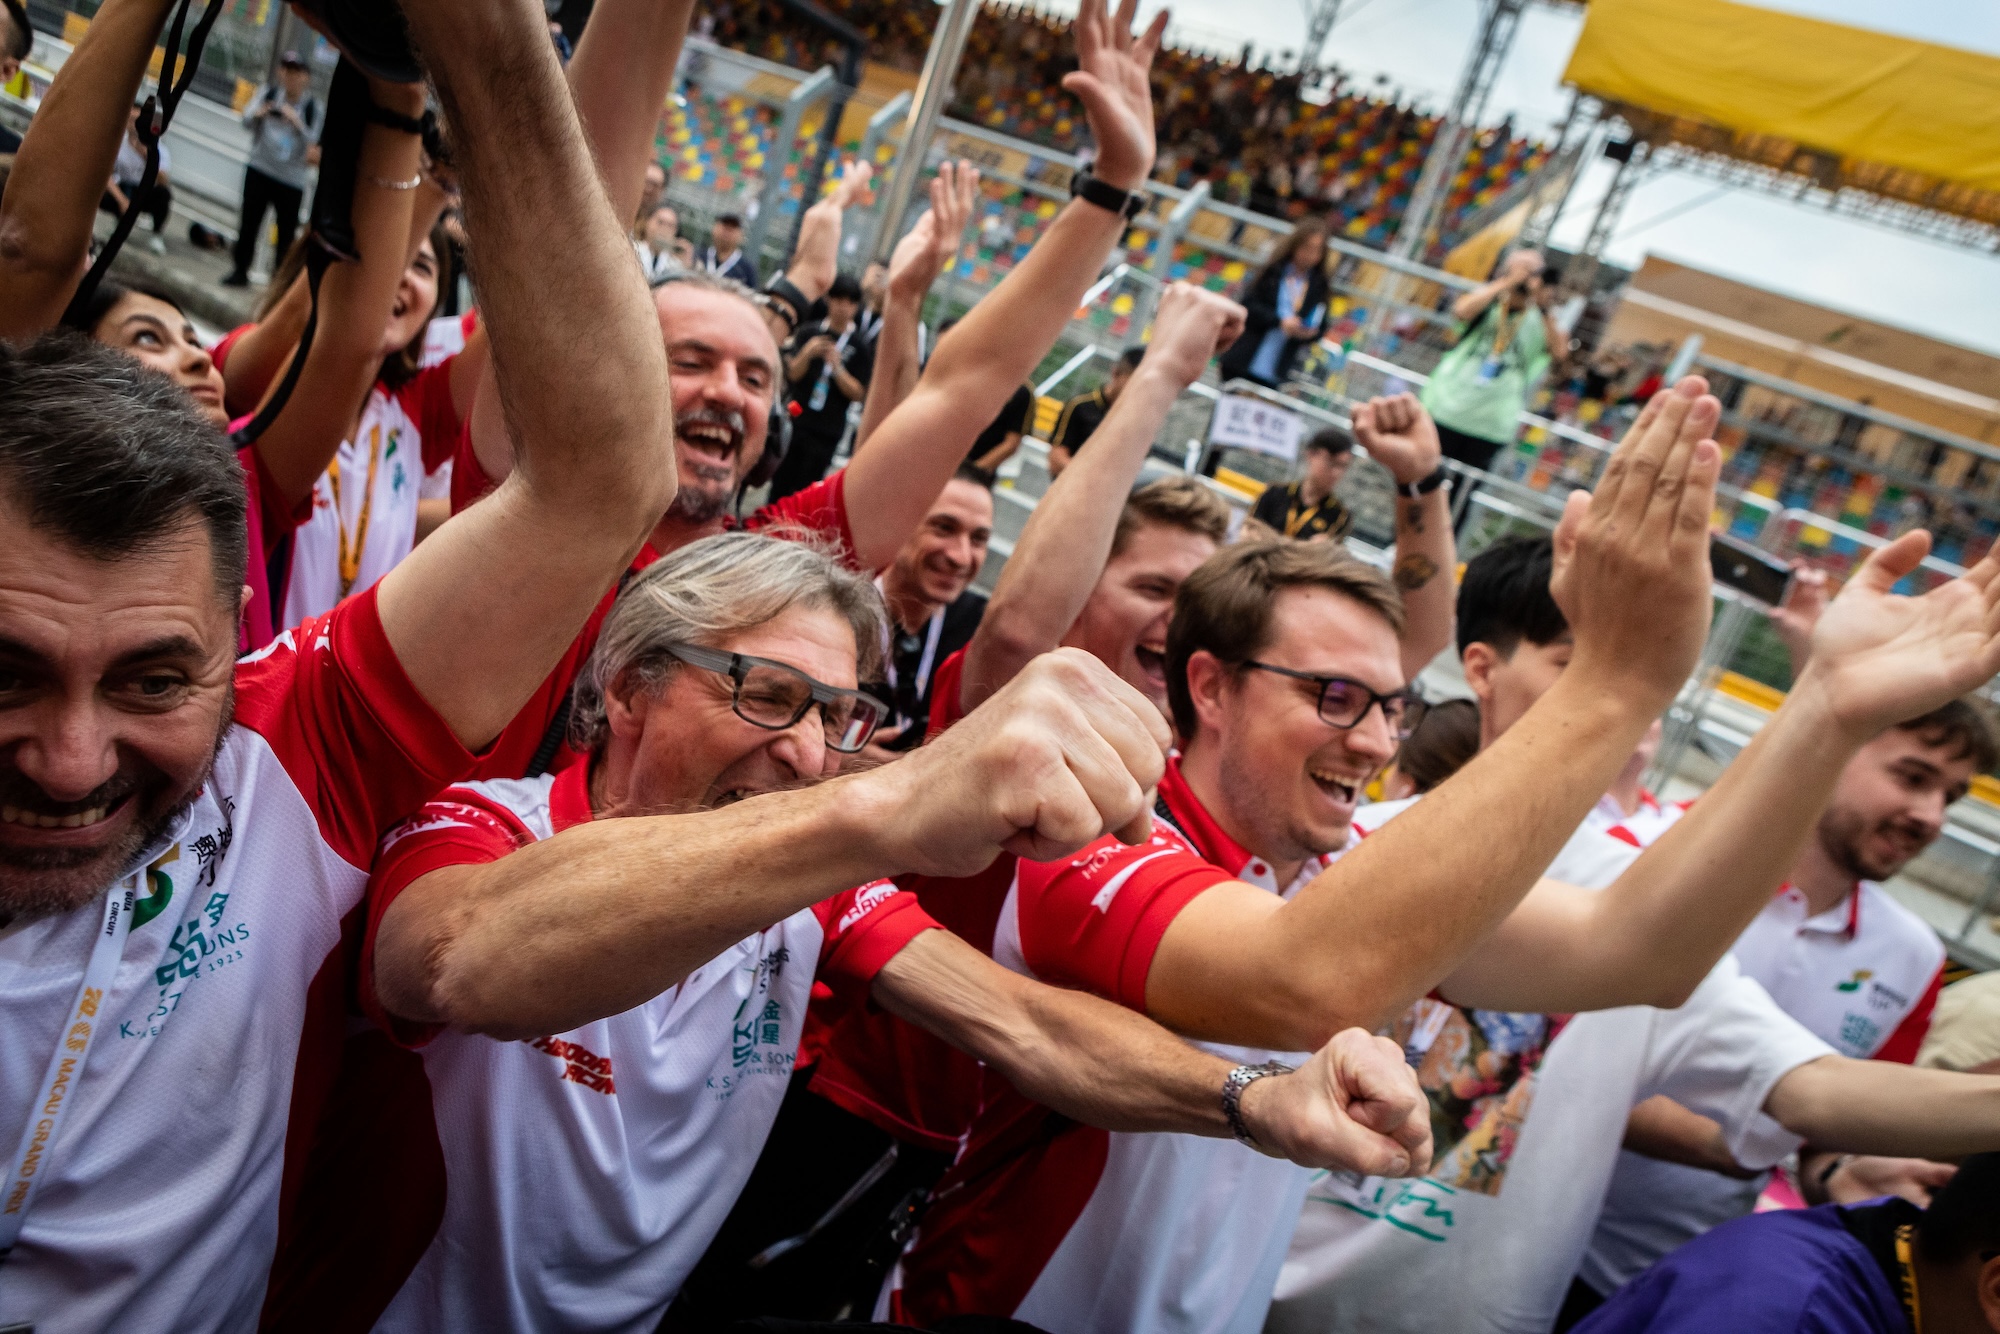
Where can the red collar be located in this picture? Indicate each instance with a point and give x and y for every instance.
(1192, 818)
(569, 799)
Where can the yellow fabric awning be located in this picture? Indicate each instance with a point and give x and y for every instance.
(1865, 96)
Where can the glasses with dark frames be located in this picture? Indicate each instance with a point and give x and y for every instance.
(1344, 702)
(775, 696)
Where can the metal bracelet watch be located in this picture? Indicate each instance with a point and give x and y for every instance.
(1423, 487)
(1242, 1077)
(1127, 204)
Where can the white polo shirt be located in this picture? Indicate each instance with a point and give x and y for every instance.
(158, 1209)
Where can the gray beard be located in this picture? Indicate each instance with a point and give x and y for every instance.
(695, 507)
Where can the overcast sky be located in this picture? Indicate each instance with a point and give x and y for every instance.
(1941, 290)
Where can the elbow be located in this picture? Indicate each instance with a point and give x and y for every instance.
(1304, 1013)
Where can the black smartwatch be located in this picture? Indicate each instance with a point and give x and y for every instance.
(1127, 204)
(1413, 490)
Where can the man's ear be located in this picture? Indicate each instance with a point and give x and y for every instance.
(1989, 1293)
(1479, 661)
(625, 704)
(1207, 680)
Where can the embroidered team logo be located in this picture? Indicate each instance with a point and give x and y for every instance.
(1853, 983)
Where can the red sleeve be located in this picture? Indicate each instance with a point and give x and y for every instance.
(1903, 1045)
(469, 481)
(947, 690)
(361, 744)
(1095, 920)
(219, 354)
(427, 401)
(821, 508)
(459, 829)
(864, 929)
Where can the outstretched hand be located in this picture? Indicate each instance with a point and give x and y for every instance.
(1355, 1106)
(1399, 435)
(933, 244)
(1880, 658)
(1111, 79)
(1631, 559)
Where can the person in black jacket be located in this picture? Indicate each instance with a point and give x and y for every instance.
(1286, 303)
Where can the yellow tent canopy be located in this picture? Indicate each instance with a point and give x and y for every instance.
(1868, 98)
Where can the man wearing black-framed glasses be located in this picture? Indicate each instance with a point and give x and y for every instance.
(657, 970)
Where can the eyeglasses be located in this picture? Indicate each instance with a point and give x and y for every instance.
(774, 696)
(1344, 702)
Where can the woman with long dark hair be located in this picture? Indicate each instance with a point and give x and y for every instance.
(1286, 303)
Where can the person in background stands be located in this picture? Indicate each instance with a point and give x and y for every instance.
(933, 612)
(1505, 342)
(874, 288)
(1886, 1268)
(827, 367)
(1082, 414)
(1308, 508)
(997, 443)
(651, 192)
(285, 120)
(1286, 302)
(723, 255)
(17, 42)
(129, 172)
(660, 248)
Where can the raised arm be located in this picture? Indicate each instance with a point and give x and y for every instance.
(1355, 1105)
(354, 303)
(1066, 541)
(932, 245)
(1883, 1107)
(1468, 306)
(64, 161)
(1400, 435)
(816, 260)
(483, 610)
(974, 369)
(1390, 920)
(608, 914)
(1651, 937)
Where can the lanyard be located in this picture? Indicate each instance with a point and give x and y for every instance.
(1296, 518)
(1504, 325)
(1906, 1274)
(924, 663)
(350, 548)
(65, 1071)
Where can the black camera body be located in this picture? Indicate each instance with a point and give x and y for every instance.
(372, 34)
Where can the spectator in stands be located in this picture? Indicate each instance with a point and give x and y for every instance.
(650, 194)
(1888, 1267)
(660, 248)
(17, 42)
(1082, 415)
(1002, 436)
(1287, 306)
(285, 120)
(874, 288)
(1308, 508)
(1506, 339)
(933, 612)
(827, 367)
(724, 253)
(127, 185)
(1444, 739)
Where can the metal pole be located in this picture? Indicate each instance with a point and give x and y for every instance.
(809, 89)
(933, 88)
(1171, 229)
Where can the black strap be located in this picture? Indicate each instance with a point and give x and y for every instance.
(558, 728)
(154, 117)
(395, 120)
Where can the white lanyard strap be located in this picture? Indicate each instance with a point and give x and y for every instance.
(924, 664)
(28, 1166)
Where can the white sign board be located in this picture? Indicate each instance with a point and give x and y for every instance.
(1245, 422)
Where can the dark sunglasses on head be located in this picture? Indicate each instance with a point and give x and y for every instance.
(774, 696)
(1344, 702)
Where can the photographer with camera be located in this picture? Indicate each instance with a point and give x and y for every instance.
(1506, 342)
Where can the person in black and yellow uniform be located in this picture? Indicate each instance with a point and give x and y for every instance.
(1308, 508)
(1081, 414)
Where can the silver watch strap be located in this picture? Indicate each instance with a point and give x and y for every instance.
(1242, 1077)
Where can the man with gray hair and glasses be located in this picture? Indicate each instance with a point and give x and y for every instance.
(598, 991)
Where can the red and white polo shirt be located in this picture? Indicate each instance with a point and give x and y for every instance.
(1071, 1228)
(584, 1173)
(364, 506)
(1643, 827)
(159, 1208)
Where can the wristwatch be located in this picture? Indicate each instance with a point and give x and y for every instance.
(1242, 1077)
(1423, 487)
(1128, 204)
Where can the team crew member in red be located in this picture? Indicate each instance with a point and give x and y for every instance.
(1285, 679)
(174, 882)
(726, 670)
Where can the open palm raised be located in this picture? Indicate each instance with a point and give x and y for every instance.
(1881, 659)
